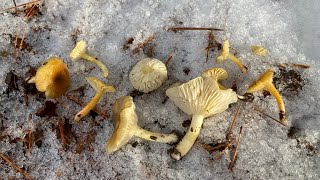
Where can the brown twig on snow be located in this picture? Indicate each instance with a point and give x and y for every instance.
(234, 155)
(24, 4)
(233, 123)
(22, 39)
(169, 59)
(260, 111)
(193, 28)
(15, 166)
(64, 139)
(302, 66)
(210, 45)
(30, 134)
(81, 103)
(15, 5)
(17, 35)
(143, 43)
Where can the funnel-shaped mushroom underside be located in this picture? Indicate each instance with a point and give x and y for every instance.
(216, 73)
(124, 119)
(201, 96)
(79, 50)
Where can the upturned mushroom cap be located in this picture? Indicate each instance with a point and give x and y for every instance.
(99, 85)
(124, 119)
(79, 50)
(148, 75)
(52, 78)
(258, 50)
(216, 73)
(201, 96)
(264, 79)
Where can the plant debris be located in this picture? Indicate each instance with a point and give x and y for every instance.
(86, 141)
(15, 166)
(193, 29)
(143, 43)
(289, 82)
(234, 155)
(47, 110)
(64, 133)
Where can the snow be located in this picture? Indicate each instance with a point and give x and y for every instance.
(288, 29)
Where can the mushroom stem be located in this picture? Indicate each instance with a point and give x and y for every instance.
(275, 93)
(97, 62)
(238, 62)
(188, 140)
(89, 106)
(156, 137)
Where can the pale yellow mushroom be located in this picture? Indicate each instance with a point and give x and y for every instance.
(258, 50)
(148, 75)
(265, 83)
(201, 98)
(80, 52)
(100, 89)
(225, 54)
(125, 122)
(52, 78)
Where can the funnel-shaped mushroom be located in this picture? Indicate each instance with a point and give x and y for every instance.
(265, 83)
(225, 54)
(218, 74)
(100, 89)
(52, 78)
(125, 122)
(148, 75)
(201, 98)
(80, 52)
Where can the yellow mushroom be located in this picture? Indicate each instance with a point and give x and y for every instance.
(125, 122)
(201, 98)
(100, 89)
(80, 52)
(148, 75)
(52, 78)
(265, 83)
(218, 74)
(225, 54)
(258, 50)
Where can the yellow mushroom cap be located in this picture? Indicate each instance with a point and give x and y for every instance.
(148, 75)
(258, 85)
(52, 78)
(79, 50)
(258, 50)
(125, 121)
(216, 73)
(99, 85)
(201, 96)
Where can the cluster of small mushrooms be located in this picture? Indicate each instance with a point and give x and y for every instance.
(200, 97)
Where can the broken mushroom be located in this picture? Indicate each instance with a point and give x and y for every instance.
(148, 75)
(125, 122)
(100, 89)
(201, 98)
(265, 83)
(80, 52)
(225, 54)
(258, 50)
(52, 78)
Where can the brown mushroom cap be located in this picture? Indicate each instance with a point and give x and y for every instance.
(52, 78)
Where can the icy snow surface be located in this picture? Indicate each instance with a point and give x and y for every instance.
(288, 29)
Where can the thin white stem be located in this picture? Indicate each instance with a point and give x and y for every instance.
(156, 137)
(188, 140)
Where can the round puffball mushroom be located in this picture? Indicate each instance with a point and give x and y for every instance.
(148, 75)
(80, 52)
(100, 89)
(201, 98)
(125, 122)
(52, 78)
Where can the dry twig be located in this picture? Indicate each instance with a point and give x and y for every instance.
(169, 59)
(193, 28)
(20, 5)
(234, 155)
(143, 43)
(263, 113)
(15, 166)
(233, 123)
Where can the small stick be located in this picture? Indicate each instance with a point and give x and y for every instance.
(193, 28)
(234, 155)
(63, 137)
(32, 2)
(28, 14)
(233, 123)
(81, 103)
(260, 111)
(303, 66)
(16, 39)
(169, 59)
(210, 45)
(23, 36)
(15, 166)
(15, 6)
